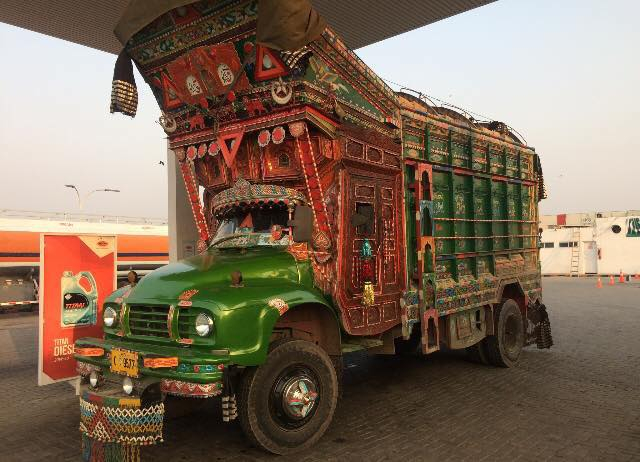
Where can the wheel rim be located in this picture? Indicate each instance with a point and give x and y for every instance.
(294, 397)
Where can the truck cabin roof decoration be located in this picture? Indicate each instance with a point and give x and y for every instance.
(245, 193)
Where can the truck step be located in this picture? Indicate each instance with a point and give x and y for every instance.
(358, 344)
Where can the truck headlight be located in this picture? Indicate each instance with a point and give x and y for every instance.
(204, 324)
(94, 379)
(127, 385)
(110, 317)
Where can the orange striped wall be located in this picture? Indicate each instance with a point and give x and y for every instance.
(142, 248)
(22, 247)
(19, 246)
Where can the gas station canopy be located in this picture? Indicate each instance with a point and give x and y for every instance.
(359, 22)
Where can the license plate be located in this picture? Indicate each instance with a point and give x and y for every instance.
(124, 362)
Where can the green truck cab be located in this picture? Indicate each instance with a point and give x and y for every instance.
(337, 215)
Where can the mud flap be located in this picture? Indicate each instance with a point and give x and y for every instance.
(538, 326)
(430, 332)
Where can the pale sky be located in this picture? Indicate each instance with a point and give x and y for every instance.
(564, 73)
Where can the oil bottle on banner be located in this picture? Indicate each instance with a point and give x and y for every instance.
(79, 306)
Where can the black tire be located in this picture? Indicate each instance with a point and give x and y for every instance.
(477, 353)
(292, 366)
(409, 346)
(504, 348)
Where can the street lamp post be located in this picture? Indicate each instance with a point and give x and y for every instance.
(83, 199)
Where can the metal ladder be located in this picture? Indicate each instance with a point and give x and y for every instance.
(575, 252)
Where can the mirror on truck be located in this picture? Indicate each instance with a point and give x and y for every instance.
(302, 224)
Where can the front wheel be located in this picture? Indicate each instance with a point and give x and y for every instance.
(286, 404)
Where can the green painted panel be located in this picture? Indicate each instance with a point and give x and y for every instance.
(512, 165)
(463, 199)
(465, 267)
(482, 211)
(443, 208)
(479, 157)
(485, 265)
(438, 150)
(320, 73)
(528, 211)
(499, 211)
(446, 269)
(526, 165)
(526, 194)
(412, 138)
(497, 162)
(461, 155)
(514, 210)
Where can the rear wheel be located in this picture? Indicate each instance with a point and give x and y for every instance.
(409, 346)
(287, 403)
(477, 353)
(503, 349)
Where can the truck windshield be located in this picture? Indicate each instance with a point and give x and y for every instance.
(244, 227)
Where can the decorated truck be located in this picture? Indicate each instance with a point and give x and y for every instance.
(335, 215)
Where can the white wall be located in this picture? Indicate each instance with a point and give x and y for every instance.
(617, 252)
(557, 260)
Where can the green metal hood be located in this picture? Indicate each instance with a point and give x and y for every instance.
(244, 317)
(210, 274)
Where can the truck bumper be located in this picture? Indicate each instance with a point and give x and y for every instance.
(192, 373)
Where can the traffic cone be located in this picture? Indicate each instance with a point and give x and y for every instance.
(611, 280)
(621, 279)
(599, 284)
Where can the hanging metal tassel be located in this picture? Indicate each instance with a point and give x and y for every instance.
(229, 407)
(366, 255)
(124, 93)
(543, 337)
(368, 296)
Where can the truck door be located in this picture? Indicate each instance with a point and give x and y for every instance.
(375, 197)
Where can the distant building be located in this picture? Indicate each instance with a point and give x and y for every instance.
(590, 243)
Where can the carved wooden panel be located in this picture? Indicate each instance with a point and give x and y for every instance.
(247, 162)
(211, 171)
(355, 149)
(280, 161)
(374, 155)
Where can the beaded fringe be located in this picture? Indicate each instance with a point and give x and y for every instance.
(97, 451)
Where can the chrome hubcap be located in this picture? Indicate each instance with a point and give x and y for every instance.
(299, 397)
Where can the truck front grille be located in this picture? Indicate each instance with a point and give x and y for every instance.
(186, 323)
(149, 320)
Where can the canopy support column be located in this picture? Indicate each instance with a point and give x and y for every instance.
(183, 234)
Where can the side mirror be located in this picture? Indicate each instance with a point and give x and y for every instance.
(302, 224)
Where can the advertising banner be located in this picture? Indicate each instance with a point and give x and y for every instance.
(633, 227)
(77, 272)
